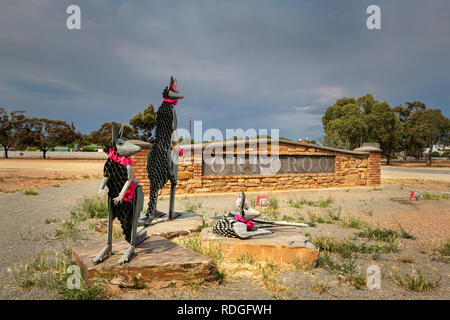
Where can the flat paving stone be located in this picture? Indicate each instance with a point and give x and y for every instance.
(181, 226)
(284, 245)
(157, 263)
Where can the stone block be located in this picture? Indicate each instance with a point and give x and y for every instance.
(157, 263)
(284, 245)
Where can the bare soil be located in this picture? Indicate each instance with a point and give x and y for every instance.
(19, 174)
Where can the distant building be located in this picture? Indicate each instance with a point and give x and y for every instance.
(94, 147)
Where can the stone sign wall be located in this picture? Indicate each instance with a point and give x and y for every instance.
(245, 165)
(300, 166)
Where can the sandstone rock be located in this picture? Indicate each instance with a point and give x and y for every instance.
(284, 245)
(157, 263)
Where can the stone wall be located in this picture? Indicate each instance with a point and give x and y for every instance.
(360, 167)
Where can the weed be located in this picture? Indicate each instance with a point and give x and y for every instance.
(91, 208)
(416, 281)
(345, 247)
(22, 276)
(320, 287)
(191, 243)
(272, 203)
(67, 230)
(214, 253)
(192, 207)
(245, 259)
(433, 196)
(30, 191)
(295, 203)
(337, 216)
(221, 276)
(196, 284)
(444, 248)
(406, 259)
(302, 266)
(203, 226)
(356, 280)
(41, 262)
(376, 256)
(345, 269)
(323, 203)
(138, 283)
(405, 234)
(353, 222)
(268, 273)
(56, 185)
(380, 234)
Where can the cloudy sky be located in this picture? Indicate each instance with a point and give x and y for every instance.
(240, 64)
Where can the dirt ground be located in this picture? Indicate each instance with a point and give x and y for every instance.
(18, 174)
(29, 224)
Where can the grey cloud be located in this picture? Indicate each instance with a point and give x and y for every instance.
(240, 64)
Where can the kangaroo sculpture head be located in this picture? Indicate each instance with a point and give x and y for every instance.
(123, 148)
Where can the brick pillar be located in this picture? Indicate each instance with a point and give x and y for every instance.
(140, 165)
(374, 169)
(373, 166)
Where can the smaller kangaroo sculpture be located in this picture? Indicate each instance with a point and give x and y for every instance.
(125, 195)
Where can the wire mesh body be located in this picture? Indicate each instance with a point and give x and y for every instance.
(118, 176)
(158, 159)
(224, 228)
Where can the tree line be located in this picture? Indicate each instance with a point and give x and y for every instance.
(408, 128)
(17, 131)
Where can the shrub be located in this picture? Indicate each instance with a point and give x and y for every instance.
(416, 281)
(30, 191)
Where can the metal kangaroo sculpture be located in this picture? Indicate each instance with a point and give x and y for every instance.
(162, 160)
(125, 196)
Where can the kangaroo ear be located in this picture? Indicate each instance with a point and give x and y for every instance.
(121, 131)
(115, 132)
(170, 82)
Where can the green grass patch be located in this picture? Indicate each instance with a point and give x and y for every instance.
(192, 206)
(30, 191)
(91, 208)
(434, 196)
(322, 202)
(346, 247)
(380, 234)
(353, 222)
(246, 259)
(444, 248)
(344, 269)
(415, 281)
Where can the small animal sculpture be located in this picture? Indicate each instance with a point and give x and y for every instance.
(162, 160)
(125, 196)
(240, 225)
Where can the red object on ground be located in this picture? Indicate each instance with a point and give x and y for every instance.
(413, 194)
(262, 201)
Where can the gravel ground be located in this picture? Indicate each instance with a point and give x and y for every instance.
(24, 233)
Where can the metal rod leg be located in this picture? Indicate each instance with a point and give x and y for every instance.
(172, 201)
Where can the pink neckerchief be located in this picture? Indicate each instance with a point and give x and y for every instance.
(129, 194)
(122, 160)
(249, 223)
(171, 101)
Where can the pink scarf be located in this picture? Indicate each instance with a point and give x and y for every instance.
(122, 160)
(129, 194)
(171, 101)
(249, 223)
